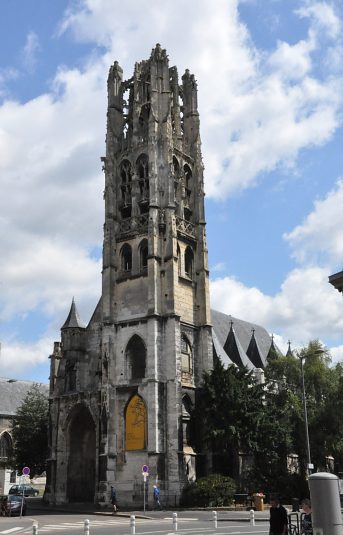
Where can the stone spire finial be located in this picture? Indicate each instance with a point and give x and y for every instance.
(73, 319)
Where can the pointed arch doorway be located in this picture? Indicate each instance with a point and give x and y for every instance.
(81, 460)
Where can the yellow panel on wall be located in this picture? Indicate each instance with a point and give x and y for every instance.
(135, 424)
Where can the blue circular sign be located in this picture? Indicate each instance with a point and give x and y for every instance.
(26, 471)
(145, 469)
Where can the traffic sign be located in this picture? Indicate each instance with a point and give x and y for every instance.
(145, 469)
(26, 471)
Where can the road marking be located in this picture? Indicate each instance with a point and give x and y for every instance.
(12, 530)
(179, 518)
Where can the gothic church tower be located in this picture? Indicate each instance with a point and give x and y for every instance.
(122, 388)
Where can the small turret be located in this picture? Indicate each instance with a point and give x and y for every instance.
(73, 331)
(73, 319)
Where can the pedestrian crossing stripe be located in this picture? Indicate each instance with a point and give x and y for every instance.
(117, 521)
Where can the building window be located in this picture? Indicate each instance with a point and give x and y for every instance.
(143, 254)
(178, 252)
(189, 263)
(5, 446)
(70, 376)
(186, 360)
(188, 192)
(135, 358)
(135, 424)
(142, 170)
(126, 188)
(126, 257)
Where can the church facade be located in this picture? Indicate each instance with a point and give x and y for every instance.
(121, 389)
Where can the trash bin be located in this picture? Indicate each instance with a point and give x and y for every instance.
(295, 505)
(258, 502)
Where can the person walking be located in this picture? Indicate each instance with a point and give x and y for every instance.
(306, 518)
(157, 493)
(278, 517)
(114, 499)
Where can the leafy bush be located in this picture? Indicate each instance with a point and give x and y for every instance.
(212, 491)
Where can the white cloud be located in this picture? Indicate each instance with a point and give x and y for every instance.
(320, 235)
(293, 62)
(50, 147)
(305, 308)
(337, 354)
(220, 266)
(46, 274)
(16, 357)
(51, 207)
(323, 15)
(255, 91)
(29, 53)
(5, 76)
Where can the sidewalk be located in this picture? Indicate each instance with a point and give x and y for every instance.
(224, 513)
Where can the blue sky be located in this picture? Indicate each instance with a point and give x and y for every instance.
(270, 82)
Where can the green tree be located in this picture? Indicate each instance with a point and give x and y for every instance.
(237, 416)
(30, 432)
(276, 439)
(229, 410)
(323, 385)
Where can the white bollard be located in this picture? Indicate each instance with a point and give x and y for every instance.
(175, 521)
(252, 517)
(215, 519)
(35, 528)
(133, 524)
(86, 527)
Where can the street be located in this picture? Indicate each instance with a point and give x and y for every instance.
(188, 523)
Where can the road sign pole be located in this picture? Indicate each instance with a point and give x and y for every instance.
(144, 488)
(145, 473)
(26, 472)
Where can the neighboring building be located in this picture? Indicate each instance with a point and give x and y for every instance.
(337, 281)
(12, 394)
(122, 388)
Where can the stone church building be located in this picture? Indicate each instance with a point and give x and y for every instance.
(122, 387)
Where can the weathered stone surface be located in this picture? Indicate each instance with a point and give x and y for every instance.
(150, 334)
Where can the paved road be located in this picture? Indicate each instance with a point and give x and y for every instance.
(190, 523)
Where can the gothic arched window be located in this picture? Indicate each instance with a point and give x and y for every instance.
(135, 424)
(142, 167)
(136, 358)
(176, 167)
(186, 359)
(126, 257)
(143, 122)
(188, 192)
(5, 446)
(189, 260)
(142, 170)
(178, 252)
(126, 188)
(143, 255)
(70, 376)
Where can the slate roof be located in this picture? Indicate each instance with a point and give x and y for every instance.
(243, 343)
(12, 393)
(234, 349)
(73, 319)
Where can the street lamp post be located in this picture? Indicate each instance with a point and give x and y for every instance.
(309, 464)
